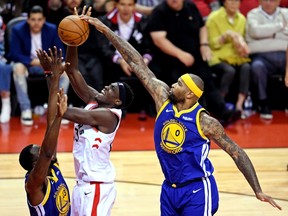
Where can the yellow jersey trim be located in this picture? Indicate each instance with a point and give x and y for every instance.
(162, 107)
(48, 191)
(198, 123)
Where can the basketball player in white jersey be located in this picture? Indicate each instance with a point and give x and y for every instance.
(94, 131)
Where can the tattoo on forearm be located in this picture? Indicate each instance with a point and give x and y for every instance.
(129, 53)
(212, 128)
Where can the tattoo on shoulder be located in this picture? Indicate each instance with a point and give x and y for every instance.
(210, 126)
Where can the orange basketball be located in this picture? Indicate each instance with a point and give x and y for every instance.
(73, 31)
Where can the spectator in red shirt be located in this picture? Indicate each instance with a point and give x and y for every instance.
(247, 5)
(284, 3)
(206, 6)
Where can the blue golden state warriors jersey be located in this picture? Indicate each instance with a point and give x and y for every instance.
(180, 144)
(57, 199)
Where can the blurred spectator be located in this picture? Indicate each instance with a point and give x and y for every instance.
(26, 38)
(267, 36)
(247, 5)
(206, 6)
(286, 74)
(71, 4)
(98, 8)
(226, 31)
(28, 4)
(5, 80)
(55, 11)
(181, 46)
(284, 3)
(89, 61)
(145, 7)
(131, 26)
(10, 9)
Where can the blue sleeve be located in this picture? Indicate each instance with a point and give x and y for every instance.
(19, 47)
(50, 38)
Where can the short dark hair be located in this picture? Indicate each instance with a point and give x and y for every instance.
(129, 96)
(135, 1)
(26, 158)
(36, 9)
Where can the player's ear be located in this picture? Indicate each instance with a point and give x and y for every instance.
(189, 94)
(117, 102)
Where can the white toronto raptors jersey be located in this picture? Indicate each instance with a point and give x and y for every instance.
(91, 151)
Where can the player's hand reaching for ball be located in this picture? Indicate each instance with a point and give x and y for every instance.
(94, 21)
(52, 63)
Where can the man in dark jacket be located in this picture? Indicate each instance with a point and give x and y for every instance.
(26, 37)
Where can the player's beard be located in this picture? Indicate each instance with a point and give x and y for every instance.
(172, 98)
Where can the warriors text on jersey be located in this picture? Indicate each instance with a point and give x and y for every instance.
(91, 151)
(181, 146)
(57, 199)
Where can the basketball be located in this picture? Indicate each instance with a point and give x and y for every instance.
(73, 31)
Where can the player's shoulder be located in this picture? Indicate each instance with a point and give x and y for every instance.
(209, 124)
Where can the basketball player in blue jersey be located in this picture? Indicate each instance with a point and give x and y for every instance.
(182, 134)
(46, 189)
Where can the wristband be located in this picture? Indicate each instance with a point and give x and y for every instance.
(204, 44)
(48, 73)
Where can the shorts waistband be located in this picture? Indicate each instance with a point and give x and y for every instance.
(179, 185)
(80, 182)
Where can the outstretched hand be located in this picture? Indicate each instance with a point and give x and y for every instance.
(93, 21)
(85, 11)
(52, 62)
(265, 198)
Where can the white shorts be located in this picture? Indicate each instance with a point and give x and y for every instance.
(93, 199)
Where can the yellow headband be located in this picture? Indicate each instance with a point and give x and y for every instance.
(191, 85)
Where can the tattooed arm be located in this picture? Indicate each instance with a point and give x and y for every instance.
(157, 89)
(214, 131)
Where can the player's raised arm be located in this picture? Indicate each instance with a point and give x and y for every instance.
(214, 131)
(157, 89)
(37, 180)
(69, 30)
(79, 85)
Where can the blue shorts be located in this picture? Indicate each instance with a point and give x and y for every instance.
(197, 198)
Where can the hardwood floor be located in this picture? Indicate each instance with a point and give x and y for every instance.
(138, 172)
(139, 177)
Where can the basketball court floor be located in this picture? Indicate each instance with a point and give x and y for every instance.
(139, 175)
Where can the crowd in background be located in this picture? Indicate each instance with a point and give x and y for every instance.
(234, 46)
